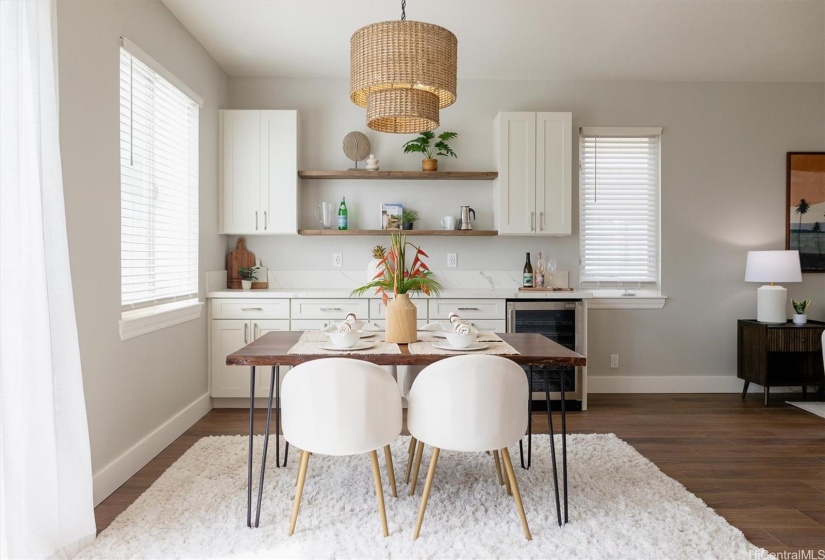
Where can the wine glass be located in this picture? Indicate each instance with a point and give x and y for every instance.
(549, 271)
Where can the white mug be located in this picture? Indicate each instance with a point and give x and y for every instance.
(323, 212)
(448, 222)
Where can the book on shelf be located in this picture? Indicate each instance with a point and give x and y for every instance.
(391, 215)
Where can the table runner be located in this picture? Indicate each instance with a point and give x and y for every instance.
(310, 342)
(492, 348)
(484, 336)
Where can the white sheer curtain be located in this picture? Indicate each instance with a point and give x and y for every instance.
(46, 505)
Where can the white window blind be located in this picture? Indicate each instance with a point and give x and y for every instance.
(158, 188)
(619, 185)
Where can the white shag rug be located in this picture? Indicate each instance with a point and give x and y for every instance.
(817, 408)
(621, 506)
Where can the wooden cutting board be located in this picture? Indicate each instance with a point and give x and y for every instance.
(237, 259)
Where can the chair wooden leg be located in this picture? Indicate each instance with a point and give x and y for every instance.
(426, 495)
(379, 491)
(508, 466)
(498, 468)
(419, 451)
(390, 470)
(410, 457)
(299, 490)
(507, 487)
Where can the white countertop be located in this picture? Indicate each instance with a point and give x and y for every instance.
(446, 294)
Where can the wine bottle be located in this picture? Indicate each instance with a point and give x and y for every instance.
(342, 214)
(527, 281)
(538, 280)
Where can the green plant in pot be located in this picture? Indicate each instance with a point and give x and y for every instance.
(800, 308)
(431, 145)
(247, 274)
(408, 216)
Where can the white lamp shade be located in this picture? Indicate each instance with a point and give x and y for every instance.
(773, 266)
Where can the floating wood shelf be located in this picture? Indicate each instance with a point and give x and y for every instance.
(411, 232)
(401, 175)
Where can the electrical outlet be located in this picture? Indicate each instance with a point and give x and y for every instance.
(452, 260)
(337, 260)
(614, 360)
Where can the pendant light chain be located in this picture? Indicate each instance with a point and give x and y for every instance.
(403, 10)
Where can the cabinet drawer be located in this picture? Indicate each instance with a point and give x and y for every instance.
(494, 325)
(795, 340)
(332, 309)
(250, 308)
(378, 309)
(381, 323)
(468, 308)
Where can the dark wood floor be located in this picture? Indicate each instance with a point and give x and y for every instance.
(763, 469)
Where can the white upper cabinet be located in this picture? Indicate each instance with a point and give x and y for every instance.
(258, 172)
(534, 185)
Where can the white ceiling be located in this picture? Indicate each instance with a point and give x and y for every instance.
(702, 40)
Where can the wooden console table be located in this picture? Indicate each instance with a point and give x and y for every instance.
(780, 354)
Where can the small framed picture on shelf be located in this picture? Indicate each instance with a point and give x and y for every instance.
(391, 215)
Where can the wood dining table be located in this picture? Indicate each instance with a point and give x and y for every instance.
(273, 350)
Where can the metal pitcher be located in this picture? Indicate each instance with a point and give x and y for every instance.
(465, 217)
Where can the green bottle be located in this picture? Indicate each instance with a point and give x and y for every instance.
(342, 214)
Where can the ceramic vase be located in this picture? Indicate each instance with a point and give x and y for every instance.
(246, 284)
(372, 163)
(799, 319)
(401, 316)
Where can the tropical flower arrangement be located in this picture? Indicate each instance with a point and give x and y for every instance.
(394, 277)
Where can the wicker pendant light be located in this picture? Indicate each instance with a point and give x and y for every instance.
(403, 72)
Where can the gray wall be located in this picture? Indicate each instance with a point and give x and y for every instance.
(135, 386)
(723, 193)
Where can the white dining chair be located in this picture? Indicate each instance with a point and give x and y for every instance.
(469, 403)
(341, 406)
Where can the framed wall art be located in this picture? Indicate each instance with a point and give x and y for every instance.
(805, 209)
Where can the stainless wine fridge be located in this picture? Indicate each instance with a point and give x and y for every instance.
(560, 321)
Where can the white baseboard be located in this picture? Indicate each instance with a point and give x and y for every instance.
(673, 384)
(112, 476)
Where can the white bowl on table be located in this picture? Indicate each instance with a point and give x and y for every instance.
(447, 326)
(461, 340)
(344, 340)
(355, 325)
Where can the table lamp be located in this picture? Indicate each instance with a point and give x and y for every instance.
(772, 266)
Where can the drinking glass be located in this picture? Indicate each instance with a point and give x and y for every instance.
(324, 215)
(549, 271)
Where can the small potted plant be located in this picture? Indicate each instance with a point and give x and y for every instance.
(800, 306)
(408, 216)
(423, 144)
(247, 275)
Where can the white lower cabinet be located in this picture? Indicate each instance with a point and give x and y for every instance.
(235, 323)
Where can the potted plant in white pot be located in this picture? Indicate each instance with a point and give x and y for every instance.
(423, 145)
(247, 274)
(800, 307)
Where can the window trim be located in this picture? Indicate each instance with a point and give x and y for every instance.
(606, 292)
(137, 320)
(149, 319)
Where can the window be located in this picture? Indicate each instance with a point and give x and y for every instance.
(158, 187)
(619, 186)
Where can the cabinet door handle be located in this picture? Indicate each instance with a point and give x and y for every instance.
(331, 309)
(256, 332)
(468, 308)
(252, 308)
(246, 333)
(256, 220)
(541, 221)
(266, 220)
(532, 221)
